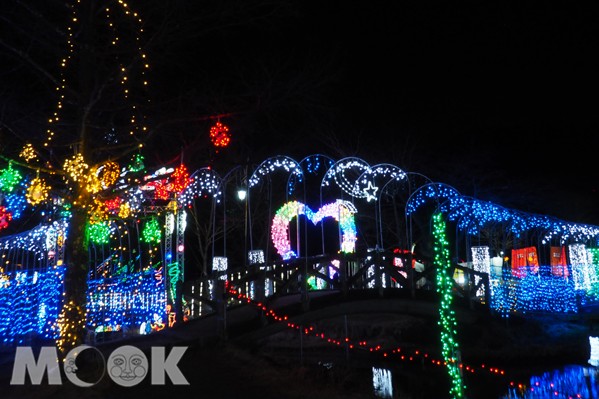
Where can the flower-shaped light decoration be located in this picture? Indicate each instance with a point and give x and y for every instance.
(179, 179)
(93, 182)
(137, 164)
(37, 192)
(151, 231)
(219, 135)
(28, 153)
(9, 178)
(109, 173)
(99, 233)
(5, 217)
(98, 211)
(124, 211)
(76, 167)
(113, 204)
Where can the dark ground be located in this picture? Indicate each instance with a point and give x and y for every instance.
(279, 365)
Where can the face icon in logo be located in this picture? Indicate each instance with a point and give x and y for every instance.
(71, 366)
(127, 366)
(81, 362)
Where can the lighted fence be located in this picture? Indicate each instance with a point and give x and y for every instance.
(132, 303)
(541, 291)
(30, 302)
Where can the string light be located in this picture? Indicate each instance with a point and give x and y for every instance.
(29, 304)
(273, 164)
(203, 182)
(582, 273)
(179, 180)
(373, 173)
(220, 264)
(410, 355)
(256, 257)
(312, 164)
(481, 262)
(447, 321)
(594, 351)
(70, 322)
(62, 86)
(136, 295)
(352, 167)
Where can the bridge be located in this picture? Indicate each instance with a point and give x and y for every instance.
(288, 228)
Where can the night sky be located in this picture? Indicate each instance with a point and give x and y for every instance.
(498, 99)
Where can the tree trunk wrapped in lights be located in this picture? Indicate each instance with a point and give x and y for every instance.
(447, 321)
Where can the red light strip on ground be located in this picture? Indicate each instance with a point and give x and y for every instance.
(363, 345)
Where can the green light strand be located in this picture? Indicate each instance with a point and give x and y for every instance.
(447, 321)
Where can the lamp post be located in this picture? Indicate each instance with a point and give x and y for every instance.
(242, 195)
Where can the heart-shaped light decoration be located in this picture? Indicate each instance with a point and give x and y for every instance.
(342, 211)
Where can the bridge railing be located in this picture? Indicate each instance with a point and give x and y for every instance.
(373, 270)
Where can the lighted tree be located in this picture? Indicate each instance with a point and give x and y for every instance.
(75, 109)
(89, 152)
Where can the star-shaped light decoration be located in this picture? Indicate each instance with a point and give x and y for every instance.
(370, 192)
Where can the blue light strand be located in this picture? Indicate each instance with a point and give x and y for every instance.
(436, 192)
(540, 292)
(29, 304)
(15, 204)
(39, 243)
(567, 382)
(312, 164)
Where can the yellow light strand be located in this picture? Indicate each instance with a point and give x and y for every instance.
(61, 88)
(70, 321)
(136, 127)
